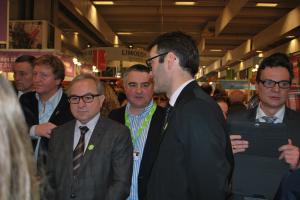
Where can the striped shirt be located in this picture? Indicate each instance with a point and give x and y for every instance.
(138, 145)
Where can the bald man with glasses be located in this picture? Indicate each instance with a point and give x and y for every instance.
(273, 82)
(89, 157)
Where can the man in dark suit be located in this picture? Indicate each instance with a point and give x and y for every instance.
(90, 157)
(273, 82)
(194, 161)
(144, 118)
(48, 106)
(23, 73)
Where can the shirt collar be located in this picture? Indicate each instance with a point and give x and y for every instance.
(177, 92)
(145, 111)
(279, 114)
(52, 100)
(91, 124)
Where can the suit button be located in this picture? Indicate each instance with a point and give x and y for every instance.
(72, 196)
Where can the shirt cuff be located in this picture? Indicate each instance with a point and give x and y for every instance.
(32, 132)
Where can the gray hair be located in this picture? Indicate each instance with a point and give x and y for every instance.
(86, 76)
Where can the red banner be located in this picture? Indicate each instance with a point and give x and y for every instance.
(99, 59)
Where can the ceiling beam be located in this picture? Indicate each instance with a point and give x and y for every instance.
(230, 11)
(277, 30)
(86, 12)
(261, 40)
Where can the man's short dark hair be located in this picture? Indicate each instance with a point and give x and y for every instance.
(275, 60)
(57, 66)
(138, 68)
(182, 45)
(25, 58)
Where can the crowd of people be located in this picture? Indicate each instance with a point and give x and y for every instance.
(171, 139)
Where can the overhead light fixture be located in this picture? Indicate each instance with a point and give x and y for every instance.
(103, 2)
(266, 4)
(215, 50)
(124, 33)
(184, 3)
(290, 36)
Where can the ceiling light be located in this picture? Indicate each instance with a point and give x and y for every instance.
(266, 4)
(290, 36)
(184, 3)
(215, 50)
(124, 33)
(103, 2)
(258, 51)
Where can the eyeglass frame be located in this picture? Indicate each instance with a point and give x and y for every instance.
(148, 61)
(82, 97)
(275, 83)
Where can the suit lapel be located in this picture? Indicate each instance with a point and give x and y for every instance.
(61, 105)
(251, 115)
(68, 147)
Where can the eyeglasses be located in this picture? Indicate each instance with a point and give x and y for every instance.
(88, 98)
(149, 60)
(270, 83)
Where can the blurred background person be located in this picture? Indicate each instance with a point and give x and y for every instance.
(161, 100)
(17, 180)
(111, 101)
(223, 102)
(23, 74)
(207, 88)
(237, 99)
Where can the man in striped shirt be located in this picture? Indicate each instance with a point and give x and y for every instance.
(144, 119)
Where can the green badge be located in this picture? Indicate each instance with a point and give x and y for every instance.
(91, 147)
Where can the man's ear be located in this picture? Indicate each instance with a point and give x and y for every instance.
(171, 59)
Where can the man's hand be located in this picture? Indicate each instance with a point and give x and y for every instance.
(44, 130)
(237, 144)
(290, 154)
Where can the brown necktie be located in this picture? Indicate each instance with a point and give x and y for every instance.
(79, 150)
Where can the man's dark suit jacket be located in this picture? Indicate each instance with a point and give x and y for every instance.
(61, 115)
(194, 161)
(105, 171)
(291, 119)
(151, 145)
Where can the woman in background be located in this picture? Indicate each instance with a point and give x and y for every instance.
(17, 168)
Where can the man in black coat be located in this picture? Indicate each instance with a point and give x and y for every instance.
(48, 106)
(194, 161)
(144, 119)
(273, 81)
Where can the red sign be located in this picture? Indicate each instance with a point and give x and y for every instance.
(99, 59)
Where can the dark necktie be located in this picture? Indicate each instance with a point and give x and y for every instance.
(269, 120)
(167, 116)
(79, 150)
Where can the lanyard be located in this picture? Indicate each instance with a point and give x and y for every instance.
(144, 123)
